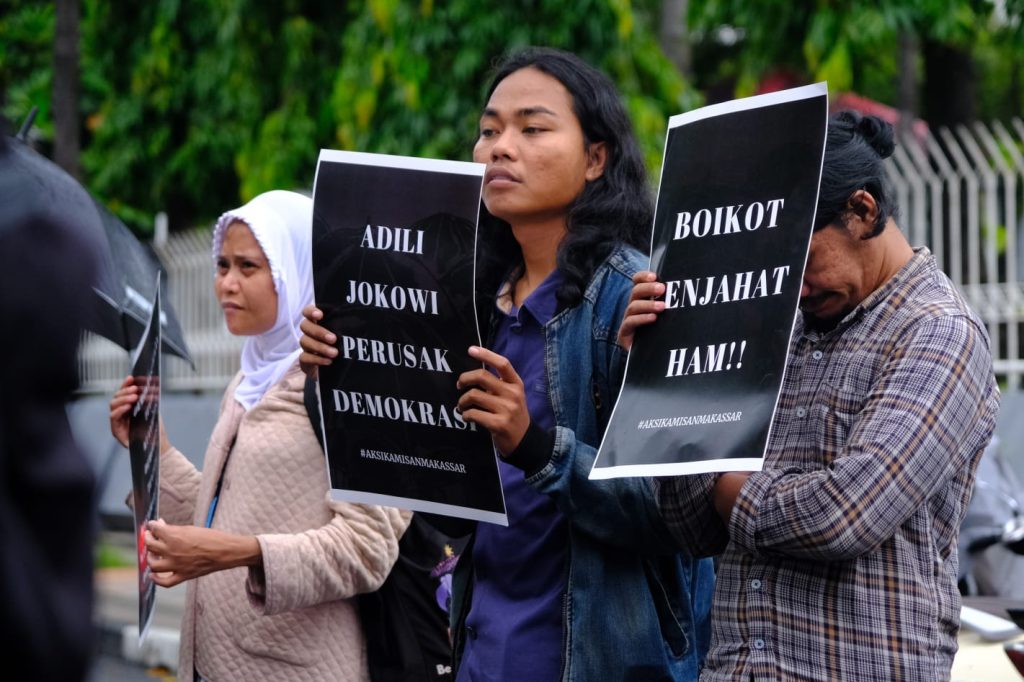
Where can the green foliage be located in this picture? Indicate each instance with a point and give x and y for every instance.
(109, 555)
(194, 107)
(411, 91)
(1000, 64)
(206, 103)
(26, 74)
(850, 44)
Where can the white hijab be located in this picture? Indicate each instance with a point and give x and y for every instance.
(282, 223)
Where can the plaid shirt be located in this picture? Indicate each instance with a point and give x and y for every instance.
(839, 561)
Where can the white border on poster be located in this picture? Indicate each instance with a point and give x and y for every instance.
(747, 103)
(678, 468)
(415, 505)
(407, 162)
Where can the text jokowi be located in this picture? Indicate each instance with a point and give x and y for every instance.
(391, 297)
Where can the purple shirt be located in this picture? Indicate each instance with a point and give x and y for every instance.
(514, 630)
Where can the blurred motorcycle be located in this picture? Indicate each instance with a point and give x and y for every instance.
(991, 550)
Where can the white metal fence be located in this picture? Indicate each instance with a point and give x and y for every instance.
(960, 191)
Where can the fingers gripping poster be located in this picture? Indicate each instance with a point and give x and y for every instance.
(732, 228)
(393, 267)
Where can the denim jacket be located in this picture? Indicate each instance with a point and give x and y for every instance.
(634, 608)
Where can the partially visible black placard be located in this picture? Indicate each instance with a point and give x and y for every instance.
(732, 228)
(393, 268)
(144, 451)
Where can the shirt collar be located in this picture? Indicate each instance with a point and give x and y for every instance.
(542, 303)
(921, 263)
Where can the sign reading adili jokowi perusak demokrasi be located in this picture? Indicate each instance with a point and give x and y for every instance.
(393, 266)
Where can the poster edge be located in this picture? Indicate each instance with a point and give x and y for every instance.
(807, 256)
(747, 103)
(418, 505)
(402, 162)
(709, 466)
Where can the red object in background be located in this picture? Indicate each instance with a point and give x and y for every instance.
(142, 547)
(850, 100)
(779, 79)
(1015, 650)
(782, 78)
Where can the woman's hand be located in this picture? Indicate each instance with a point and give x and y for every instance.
(121, 409)
(179, 553)
(121, 406)
(642, 309)
(317, 343)
(497, 403)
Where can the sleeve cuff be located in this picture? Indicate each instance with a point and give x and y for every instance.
(256, 581)
(747, 513)
(534, 450)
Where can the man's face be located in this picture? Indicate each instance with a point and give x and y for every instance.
(838, 275)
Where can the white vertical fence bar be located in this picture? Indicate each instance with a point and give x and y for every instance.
(1014, 193)
(950, 210)
(969, 186)
(990, 220)
(933, 202)
(914, 219)
(988, 235)
(1005, 226)
(1013, 174)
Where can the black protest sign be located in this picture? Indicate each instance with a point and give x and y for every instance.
(393, 270)
(732, 229)
(144, 451)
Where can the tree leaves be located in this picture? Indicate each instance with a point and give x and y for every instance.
(195, 107)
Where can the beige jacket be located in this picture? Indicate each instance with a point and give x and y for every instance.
(295, 619)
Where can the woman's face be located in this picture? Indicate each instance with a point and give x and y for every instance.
(244, 285)
(533, 145)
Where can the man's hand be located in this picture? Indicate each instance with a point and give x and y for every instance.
(642, 309)
(497, 403)
(317, 343)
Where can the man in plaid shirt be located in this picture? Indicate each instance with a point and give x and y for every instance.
(838, 560)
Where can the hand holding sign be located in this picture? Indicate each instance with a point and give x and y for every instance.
(497, 403)
(121, 407)
(643, 307)
(317, 342)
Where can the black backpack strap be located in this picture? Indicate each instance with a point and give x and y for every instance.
(405, 627)
(309, 398)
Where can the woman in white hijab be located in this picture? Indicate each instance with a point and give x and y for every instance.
(272, 564)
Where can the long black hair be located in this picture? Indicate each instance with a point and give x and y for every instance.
(855, 147)
(615, 208)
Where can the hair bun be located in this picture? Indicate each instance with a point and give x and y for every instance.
(878, 134)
